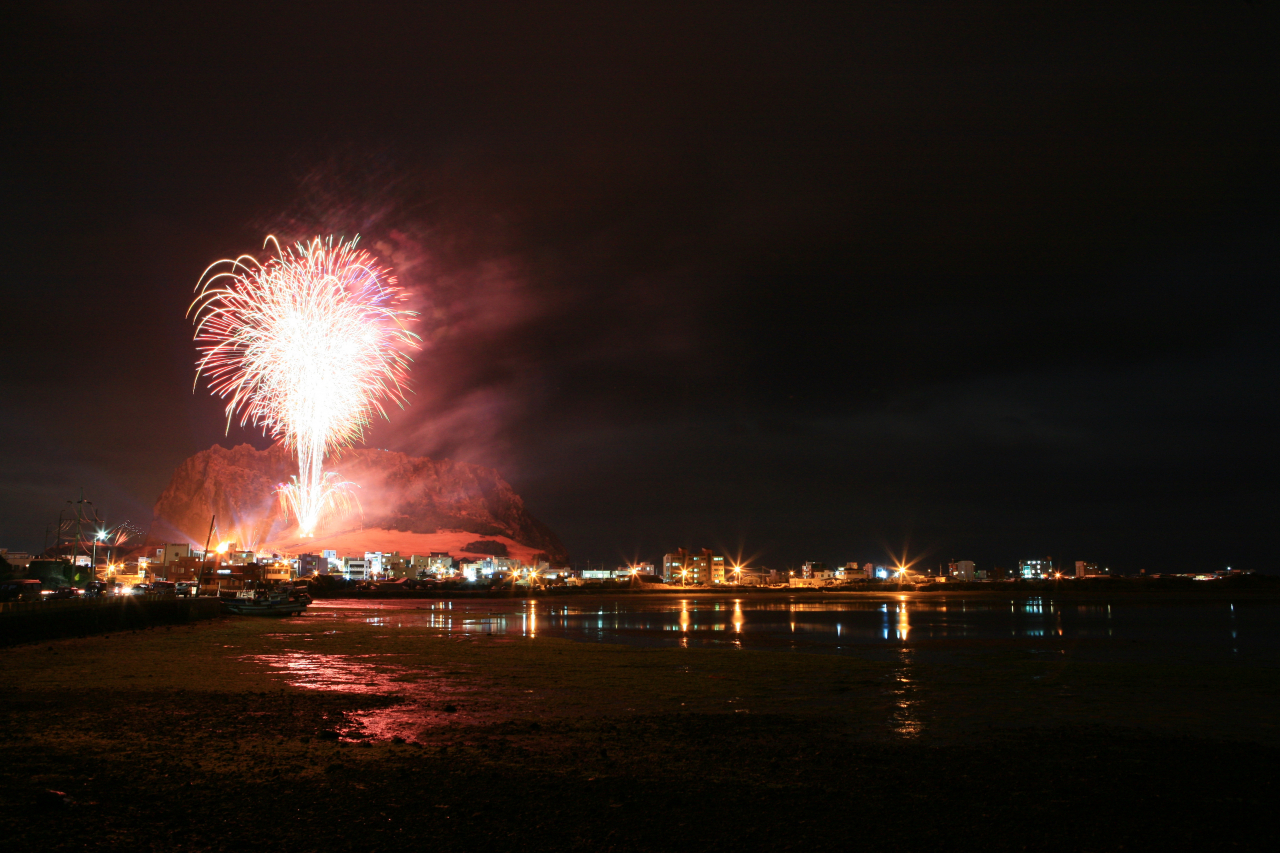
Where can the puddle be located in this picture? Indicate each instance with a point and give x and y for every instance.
(424, 695)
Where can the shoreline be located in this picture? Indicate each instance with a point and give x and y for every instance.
(238, 733)
(1201, 591)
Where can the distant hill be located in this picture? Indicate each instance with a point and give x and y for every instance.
(398, 493)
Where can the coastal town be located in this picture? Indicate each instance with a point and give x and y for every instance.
(186, 570)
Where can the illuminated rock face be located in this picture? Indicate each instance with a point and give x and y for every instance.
(397, 492)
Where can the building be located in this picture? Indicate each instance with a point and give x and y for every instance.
(278, 569)
(473, 570)
(438, 563)
(186, 568)
(1091, 570)
(312, 564)
(961, 570)
(811, 569)
(331, 557)
(1035, 569)
(354, 569)
(850, 571)
(637, 569)
(685, 567)
(375, 561)
(225, 577)
(396, 566)
(675, 565)
(168, 553)
(853, 572)
(17, 559)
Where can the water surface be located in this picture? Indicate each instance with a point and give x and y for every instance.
(840, 624)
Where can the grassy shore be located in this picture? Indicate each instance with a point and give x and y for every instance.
(316, 734)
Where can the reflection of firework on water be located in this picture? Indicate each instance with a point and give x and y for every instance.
(306, 345)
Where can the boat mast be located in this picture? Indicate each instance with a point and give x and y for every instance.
(205, 563)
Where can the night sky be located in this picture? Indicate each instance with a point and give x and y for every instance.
(985, 281)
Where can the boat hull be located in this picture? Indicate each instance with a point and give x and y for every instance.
(265, 608)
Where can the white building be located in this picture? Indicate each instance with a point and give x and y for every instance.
(437, 563)
(355, 570)
(810, 582)
(853, 572)
(472, 571)
(17, 559)
(962, 570)
(171, 553)
(1035, 569)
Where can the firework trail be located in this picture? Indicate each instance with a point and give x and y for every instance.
(307, 346)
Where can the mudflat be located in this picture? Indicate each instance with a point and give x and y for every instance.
(325, 734)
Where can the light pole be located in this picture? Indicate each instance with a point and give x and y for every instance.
(57, 545)
(80, 519)
(93, 568)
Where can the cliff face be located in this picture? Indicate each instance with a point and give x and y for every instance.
(396, 492)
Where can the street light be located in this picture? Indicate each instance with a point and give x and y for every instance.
(93, 569)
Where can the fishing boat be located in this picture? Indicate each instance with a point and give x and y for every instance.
(261, 602)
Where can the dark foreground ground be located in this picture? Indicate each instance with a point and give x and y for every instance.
(306, 734)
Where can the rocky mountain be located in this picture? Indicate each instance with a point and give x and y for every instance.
(395, 491)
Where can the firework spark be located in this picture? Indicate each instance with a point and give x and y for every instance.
(307, 346)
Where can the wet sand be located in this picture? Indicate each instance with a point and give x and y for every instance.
(308, 734)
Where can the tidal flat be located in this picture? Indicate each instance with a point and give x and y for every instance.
(322, 733)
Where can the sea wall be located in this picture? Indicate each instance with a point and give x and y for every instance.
(34, 621)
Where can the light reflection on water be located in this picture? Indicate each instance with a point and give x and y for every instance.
(897, 628)
(835, 624)
(904, 720)
(425, 695)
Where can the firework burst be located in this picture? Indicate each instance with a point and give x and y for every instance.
(307, 346)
